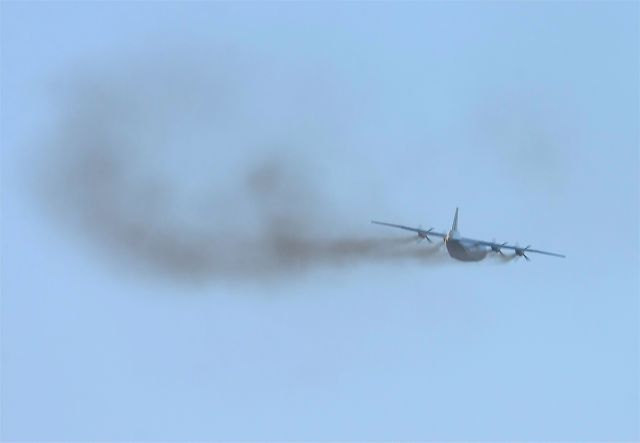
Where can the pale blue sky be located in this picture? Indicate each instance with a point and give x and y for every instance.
(525, 115)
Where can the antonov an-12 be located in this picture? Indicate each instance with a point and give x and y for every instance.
(468, 249)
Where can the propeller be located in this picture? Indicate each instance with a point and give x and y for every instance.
(498, 248)
(422, 235)
(520, 252)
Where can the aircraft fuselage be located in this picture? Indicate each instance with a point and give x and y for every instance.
(463, 250)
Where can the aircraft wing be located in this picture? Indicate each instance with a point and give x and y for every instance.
(519, 250)
(424, 233)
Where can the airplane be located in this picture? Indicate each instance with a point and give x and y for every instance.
(467, 249)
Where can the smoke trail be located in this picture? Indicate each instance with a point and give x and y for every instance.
(116, 173)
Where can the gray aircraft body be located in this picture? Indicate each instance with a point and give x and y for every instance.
(468, 249)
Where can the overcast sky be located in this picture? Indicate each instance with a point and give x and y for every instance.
(187, 192)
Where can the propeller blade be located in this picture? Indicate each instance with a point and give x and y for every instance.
(426, 235)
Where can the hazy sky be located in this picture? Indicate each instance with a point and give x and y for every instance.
(186, 197)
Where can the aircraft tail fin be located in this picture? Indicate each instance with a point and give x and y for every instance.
(454, 226)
